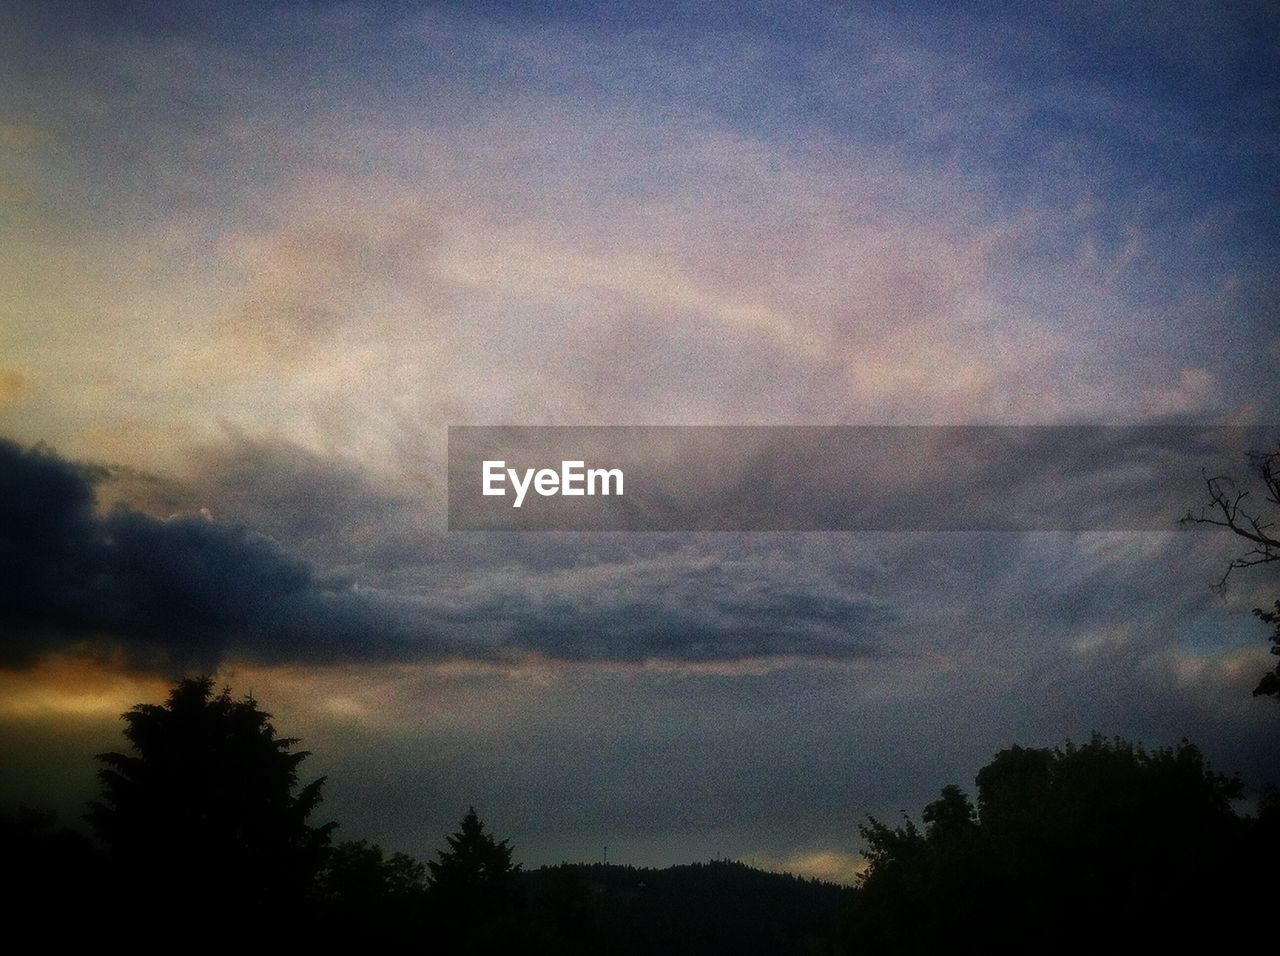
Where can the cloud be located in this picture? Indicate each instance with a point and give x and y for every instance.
(14, 387)
(177, 592)
(851, 478)
(331, 509)
(690, 604)
(188, 589)
(445, 217)
(834, 866)
(25, 136)
(859, 221)
(1194, 391)
(342, 269)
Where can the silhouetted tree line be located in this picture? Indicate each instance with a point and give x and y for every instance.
(1095, 847)
(204, 831)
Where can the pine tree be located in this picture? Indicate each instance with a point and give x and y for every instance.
(207, 811)
(474, 887)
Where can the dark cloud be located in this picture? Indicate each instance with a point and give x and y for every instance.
(189, 590)
(324, 508)
(182, 590)
(321, 506)
(716, 602)
(991, 639)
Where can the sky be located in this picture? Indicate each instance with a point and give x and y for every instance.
(259, 256)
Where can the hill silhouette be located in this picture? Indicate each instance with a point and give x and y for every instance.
(720, 907)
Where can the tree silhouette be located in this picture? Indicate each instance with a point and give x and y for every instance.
(474, 890)
(45, 867)
(363, 891)
(205, 814)
(1078, 845)
(1269, 686)
(950, 813)
(1230, 507)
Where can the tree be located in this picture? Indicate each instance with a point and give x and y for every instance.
(363, 891)
(45, 867)
(1078, 845)
(938, 867)
(206, 814)
(1269, 686)
(1230, 507)
(950, 813)
(473, 888)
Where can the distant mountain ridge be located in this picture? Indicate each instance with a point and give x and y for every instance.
(719, 907)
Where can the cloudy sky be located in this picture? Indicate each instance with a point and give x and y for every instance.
(257, 260)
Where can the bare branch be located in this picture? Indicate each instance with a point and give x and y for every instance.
(1227, 509)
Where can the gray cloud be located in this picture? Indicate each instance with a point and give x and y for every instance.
(191, 589)
(788, 478)
(958, 644)
(713, 602)
(183, 590)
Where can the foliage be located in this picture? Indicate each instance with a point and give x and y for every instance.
(206, 810)
(1269, 686)
(473, 889)
(1100, 845)
(363, 891)
(46, 867)
(1066, 844)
